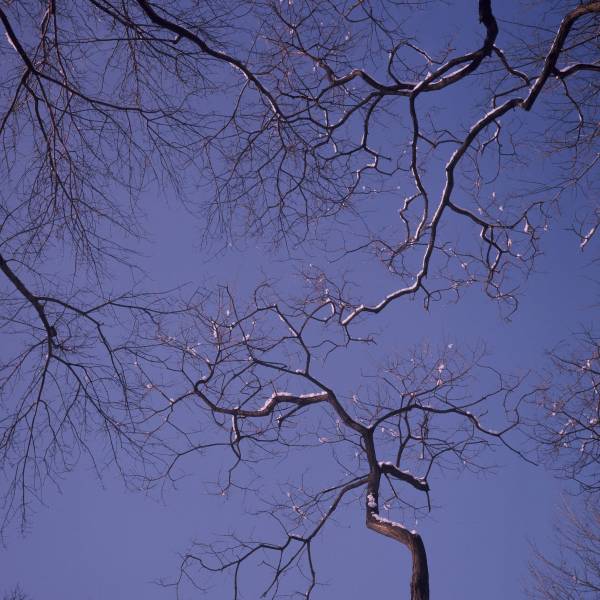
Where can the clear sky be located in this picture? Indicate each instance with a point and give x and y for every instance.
(97, 540)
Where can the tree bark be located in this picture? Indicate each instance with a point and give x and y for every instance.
(419, 585)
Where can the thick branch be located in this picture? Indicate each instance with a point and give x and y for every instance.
(557, 46)
(31, 298)
(392, 470)
(268, 407)
(222, 56)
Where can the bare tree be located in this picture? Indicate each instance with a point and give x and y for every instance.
(15, 594)
(299, 119)
(569, 430)
(568, 436)
(260, 382)
(575, 573)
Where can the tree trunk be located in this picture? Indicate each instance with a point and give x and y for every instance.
(419, 585)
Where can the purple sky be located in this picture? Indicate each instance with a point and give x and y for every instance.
(96, 540)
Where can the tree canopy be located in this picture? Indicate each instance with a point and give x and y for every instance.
(382, 157)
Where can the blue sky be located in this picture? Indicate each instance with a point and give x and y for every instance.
(95, 539)
(100, 541)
